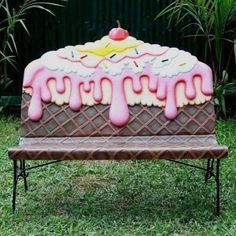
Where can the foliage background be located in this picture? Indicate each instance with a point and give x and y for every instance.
(13, 16)
(215, 22)
(81, 21)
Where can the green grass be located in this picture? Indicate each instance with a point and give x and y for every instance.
(117, 198)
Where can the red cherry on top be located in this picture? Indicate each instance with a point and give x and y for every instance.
(118, 33)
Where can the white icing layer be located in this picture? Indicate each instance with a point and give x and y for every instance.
(114, 56)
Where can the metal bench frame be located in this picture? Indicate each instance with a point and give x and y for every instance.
(20, 171)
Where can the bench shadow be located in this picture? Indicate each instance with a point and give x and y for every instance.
(140, 202)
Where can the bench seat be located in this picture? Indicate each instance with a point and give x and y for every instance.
(119, 148)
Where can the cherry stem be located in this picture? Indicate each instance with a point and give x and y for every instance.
(118, 23)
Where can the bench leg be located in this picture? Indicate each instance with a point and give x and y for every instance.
(23, 174)
(217, 178)
(15, 180)
(209, 170)
(18, 172)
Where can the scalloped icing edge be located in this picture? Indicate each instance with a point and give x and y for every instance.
(145, 98)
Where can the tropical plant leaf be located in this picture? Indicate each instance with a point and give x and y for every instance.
(225, 76)
(10, 58)
(223, 105)
(215, 21)
(10, 20)
(24, 26)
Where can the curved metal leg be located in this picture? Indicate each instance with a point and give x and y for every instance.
(209, 170)
(23, 174)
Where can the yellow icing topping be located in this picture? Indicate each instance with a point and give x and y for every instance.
(106, 46)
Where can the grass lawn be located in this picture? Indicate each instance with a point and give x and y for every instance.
(117, 198)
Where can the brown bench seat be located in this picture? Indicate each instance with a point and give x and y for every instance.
(119, 148)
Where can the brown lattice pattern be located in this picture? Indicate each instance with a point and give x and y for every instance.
(119, 148)
(61, 121)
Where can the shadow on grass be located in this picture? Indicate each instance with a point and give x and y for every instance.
(143, 199)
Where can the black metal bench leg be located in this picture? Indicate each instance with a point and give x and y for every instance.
(23, 174)
(214, 172)
(209, 170)
(207, 174)
(18, 172)
(15, 180)
(217, 178)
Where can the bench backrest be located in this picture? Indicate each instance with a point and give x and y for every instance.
(61, 121)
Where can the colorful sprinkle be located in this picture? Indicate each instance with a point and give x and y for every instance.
(83, 56)
(112, 55)
(107, 45)
(72, 54)
(135, 63)
(165, 60)
(105, 66)
(182, 64)
(136, 50)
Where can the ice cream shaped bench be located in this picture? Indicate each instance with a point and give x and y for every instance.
(117, 98)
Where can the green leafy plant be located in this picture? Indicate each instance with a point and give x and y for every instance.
(11, 18)
(214, 20)
(223, 89)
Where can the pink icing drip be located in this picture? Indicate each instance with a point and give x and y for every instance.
(35, 108)
(137, 86)
(60, 84)
(161, 88)
(205, 72)
(190, 91)
(46, 95)
(97, 94)
(87, 86)
(152, 86)
(171, 108)
(75, 102)
(37, 78)
(119, 111)
(32, 70)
